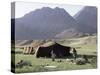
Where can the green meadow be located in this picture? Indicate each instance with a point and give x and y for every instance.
(84, 46)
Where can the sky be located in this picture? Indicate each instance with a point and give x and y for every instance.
(22, 8)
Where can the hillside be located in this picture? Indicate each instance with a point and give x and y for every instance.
(87, 20)
(67, 42)
(43, 23)
(55, 23)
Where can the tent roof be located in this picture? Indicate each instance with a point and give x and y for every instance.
(48, 44)
(51, 43)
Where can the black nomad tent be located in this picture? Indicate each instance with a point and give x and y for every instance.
(60, 51)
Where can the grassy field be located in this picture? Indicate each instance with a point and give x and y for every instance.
(82, 45)
(37, 64)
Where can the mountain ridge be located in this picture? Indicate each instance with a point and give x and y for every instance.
(52, 23)
(43, 23)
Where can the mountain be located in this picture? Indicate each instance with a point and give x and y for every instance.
(69, 33)
(51, 23)
(44, 23)
(87, 20)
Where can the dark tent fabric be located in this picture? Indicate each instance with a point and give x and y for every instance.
(59, 50)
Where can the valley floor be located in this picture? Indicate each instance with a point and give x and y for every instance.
(84, 46)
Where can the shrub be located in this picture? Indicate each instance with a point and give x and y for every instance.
(94, 62)
(80, 61)
(22, 63)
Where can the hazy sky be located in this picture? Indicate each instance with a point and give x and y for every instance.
(22, 8)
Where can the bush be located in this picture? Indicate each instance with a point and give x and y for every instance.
(80, 61)
(94, 62)
(22, 63)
